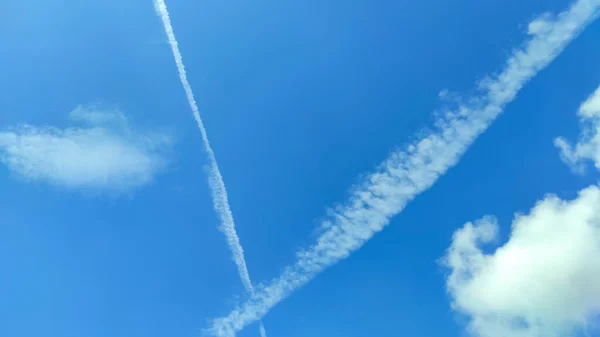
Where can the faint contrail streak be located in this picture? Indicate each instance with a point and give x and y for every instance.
(217, 186)
(407, 173)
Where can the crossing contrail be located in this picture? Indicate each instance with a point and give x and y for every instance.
(406, 174)
(215, 179)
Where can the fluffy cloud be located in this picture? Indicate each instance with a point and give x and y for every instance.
(102, 153)
(588, 146)
(545, 281)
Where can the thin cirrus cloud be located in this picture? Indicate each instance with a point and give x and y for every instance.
(542, 282)
(215, 179)
(588, 145)
(405, 174)
(102, 153)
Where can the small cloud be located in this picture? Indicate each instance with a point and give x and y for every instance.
(542, 282)
(541, 25)
(102, 154)
(591, 107)
(588, 145)
(96, 115)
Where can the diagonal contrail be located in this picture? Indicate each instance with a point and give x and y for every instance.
(217, 186)
(406, 174)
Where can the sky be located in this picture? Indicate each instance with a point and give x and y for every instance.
(414, 168)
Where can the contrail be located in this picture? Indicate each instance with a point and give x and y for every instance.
(406, 174)
(215, 179)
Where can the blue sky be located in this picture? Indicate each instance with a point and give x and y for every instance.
(107, 226)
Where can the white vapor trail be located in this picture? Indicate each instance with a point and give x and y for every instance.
(407, 173)
(215, 179)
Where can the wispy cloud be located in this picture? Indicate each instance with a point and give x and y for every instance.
(100, 155)
(217, 186)
(405, 174)
(542, 282)
(588, 146)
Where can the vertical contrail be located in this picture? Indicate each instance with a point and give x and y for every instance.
(217, 186)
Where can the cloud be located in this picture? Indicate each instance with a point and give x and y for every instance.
(541, 25)
(543, 282)
(215, 179)
(97, 115)
(407, 173)
(101, 155)
(588, 145)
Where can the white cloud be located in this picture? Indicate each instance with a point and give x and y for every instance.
(104, 154)
(544, 282)
(541, 25)
(405, 174)
(588, 145)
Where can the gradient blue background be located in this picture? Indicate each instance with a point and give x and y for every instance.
(299, 99)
